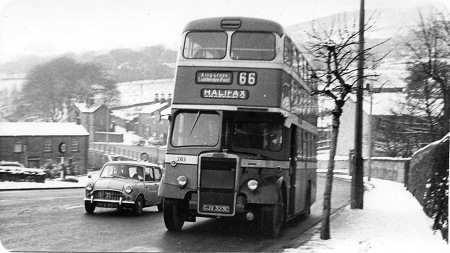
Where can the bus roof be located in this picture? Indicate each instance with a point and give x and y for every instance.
(234, 23)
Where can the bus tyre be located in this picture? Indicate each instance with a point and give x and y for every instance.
(89, 207)
(272, 217)
(308, 202)
(138, 206)
(173, 214)
(160, 206)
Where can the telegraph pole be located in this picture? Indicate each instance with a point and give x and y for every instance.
(357, 186)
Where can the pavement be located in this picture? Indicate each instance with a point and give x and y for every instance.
(47, 185)
(391, 221)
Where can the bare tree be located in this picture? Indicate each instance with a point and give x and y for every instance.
(428, 81)
(335, 52)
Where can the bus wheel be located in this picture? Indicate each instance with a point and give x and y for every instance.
(89, 207)
(308, 201)
(272, 217)
(173, 214)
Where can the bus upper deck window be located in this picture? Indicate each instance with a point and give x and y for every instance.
(205, 45)
(252, 46)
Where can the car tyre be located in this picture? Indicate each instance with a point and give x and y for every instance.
(173, 214)
(89, 207)
(138, 206)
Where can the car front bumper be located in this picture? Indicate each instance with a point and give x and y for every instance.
(120, 202)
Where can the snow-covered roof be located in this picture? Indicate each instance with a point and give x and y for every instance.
(41, 129)
(153, 107)
(133, 112)
(83, 107)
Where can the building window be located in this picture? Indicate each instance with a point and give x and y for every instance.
(18, 146)
(47, 145)
(74, 145)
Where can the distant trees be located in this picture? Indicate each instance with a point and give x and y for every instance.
(51, 88)
(428, 80)
(131, 65)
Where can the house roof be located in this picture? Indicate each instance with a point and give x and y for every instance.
(41, 129)
(133, 112)
(83, 107)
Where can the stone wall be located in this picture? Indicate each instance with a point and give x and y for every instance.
(381, 167)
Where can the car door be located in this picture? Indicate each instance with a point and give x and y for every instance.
(151, 187)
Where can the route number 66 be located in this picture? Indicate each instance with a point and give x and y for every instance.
(247, 78)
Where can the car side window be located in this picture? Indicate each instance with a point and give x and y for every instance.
(157, 174)
(149, 176)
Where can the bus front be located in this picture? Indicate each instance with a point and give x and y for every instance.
(229, 150)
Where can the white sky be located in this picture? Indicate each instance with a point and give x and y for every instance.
(57, 26)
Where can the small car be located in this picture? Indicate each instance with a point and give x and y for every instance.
(155, 141)
(125, 184)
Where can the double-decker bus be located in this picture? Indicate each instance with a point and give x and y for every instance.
(242, 138)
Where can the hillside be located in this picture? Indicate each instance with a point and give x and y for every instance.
(391, 24)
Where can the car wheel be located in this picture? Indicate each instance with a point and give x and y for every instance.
(138, 206)
(173, 214)
(160, 207)
(89, 207)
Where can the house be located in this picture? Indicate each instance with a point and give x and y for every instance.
(149, 119)
(36, 143)
(378, 109)
(96, 120)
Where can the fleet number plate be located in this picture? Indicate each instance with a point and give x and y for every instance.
(216, 208)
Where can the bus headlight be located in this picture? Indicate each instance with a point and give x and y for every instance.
(182, 181)
(128, 189)
(252, 184)
(89, 187)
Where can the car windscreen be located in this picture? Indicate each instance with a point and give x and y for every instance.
(122, 171)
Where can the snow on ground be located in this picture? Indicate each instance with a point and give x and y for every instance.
(392, 220)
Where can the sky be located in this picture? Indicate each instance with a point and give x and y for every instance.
(49, 27)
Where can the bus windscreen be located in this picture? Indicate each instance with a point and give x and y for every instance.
(196, 129)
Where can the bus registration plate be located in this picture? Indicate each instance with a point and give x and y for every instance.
(215, 208)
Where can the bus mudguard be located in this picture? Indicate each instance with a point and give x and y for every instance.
(267, 191)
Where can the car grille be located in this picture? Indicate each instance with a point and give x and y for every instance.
(107, 195)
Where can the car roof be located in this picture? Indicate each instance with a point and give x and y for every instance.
(142, 163)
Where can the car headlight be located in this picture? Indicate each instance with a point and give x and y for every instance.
(128, 189)
(252, 184)
(89, 187)
(182, 181)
